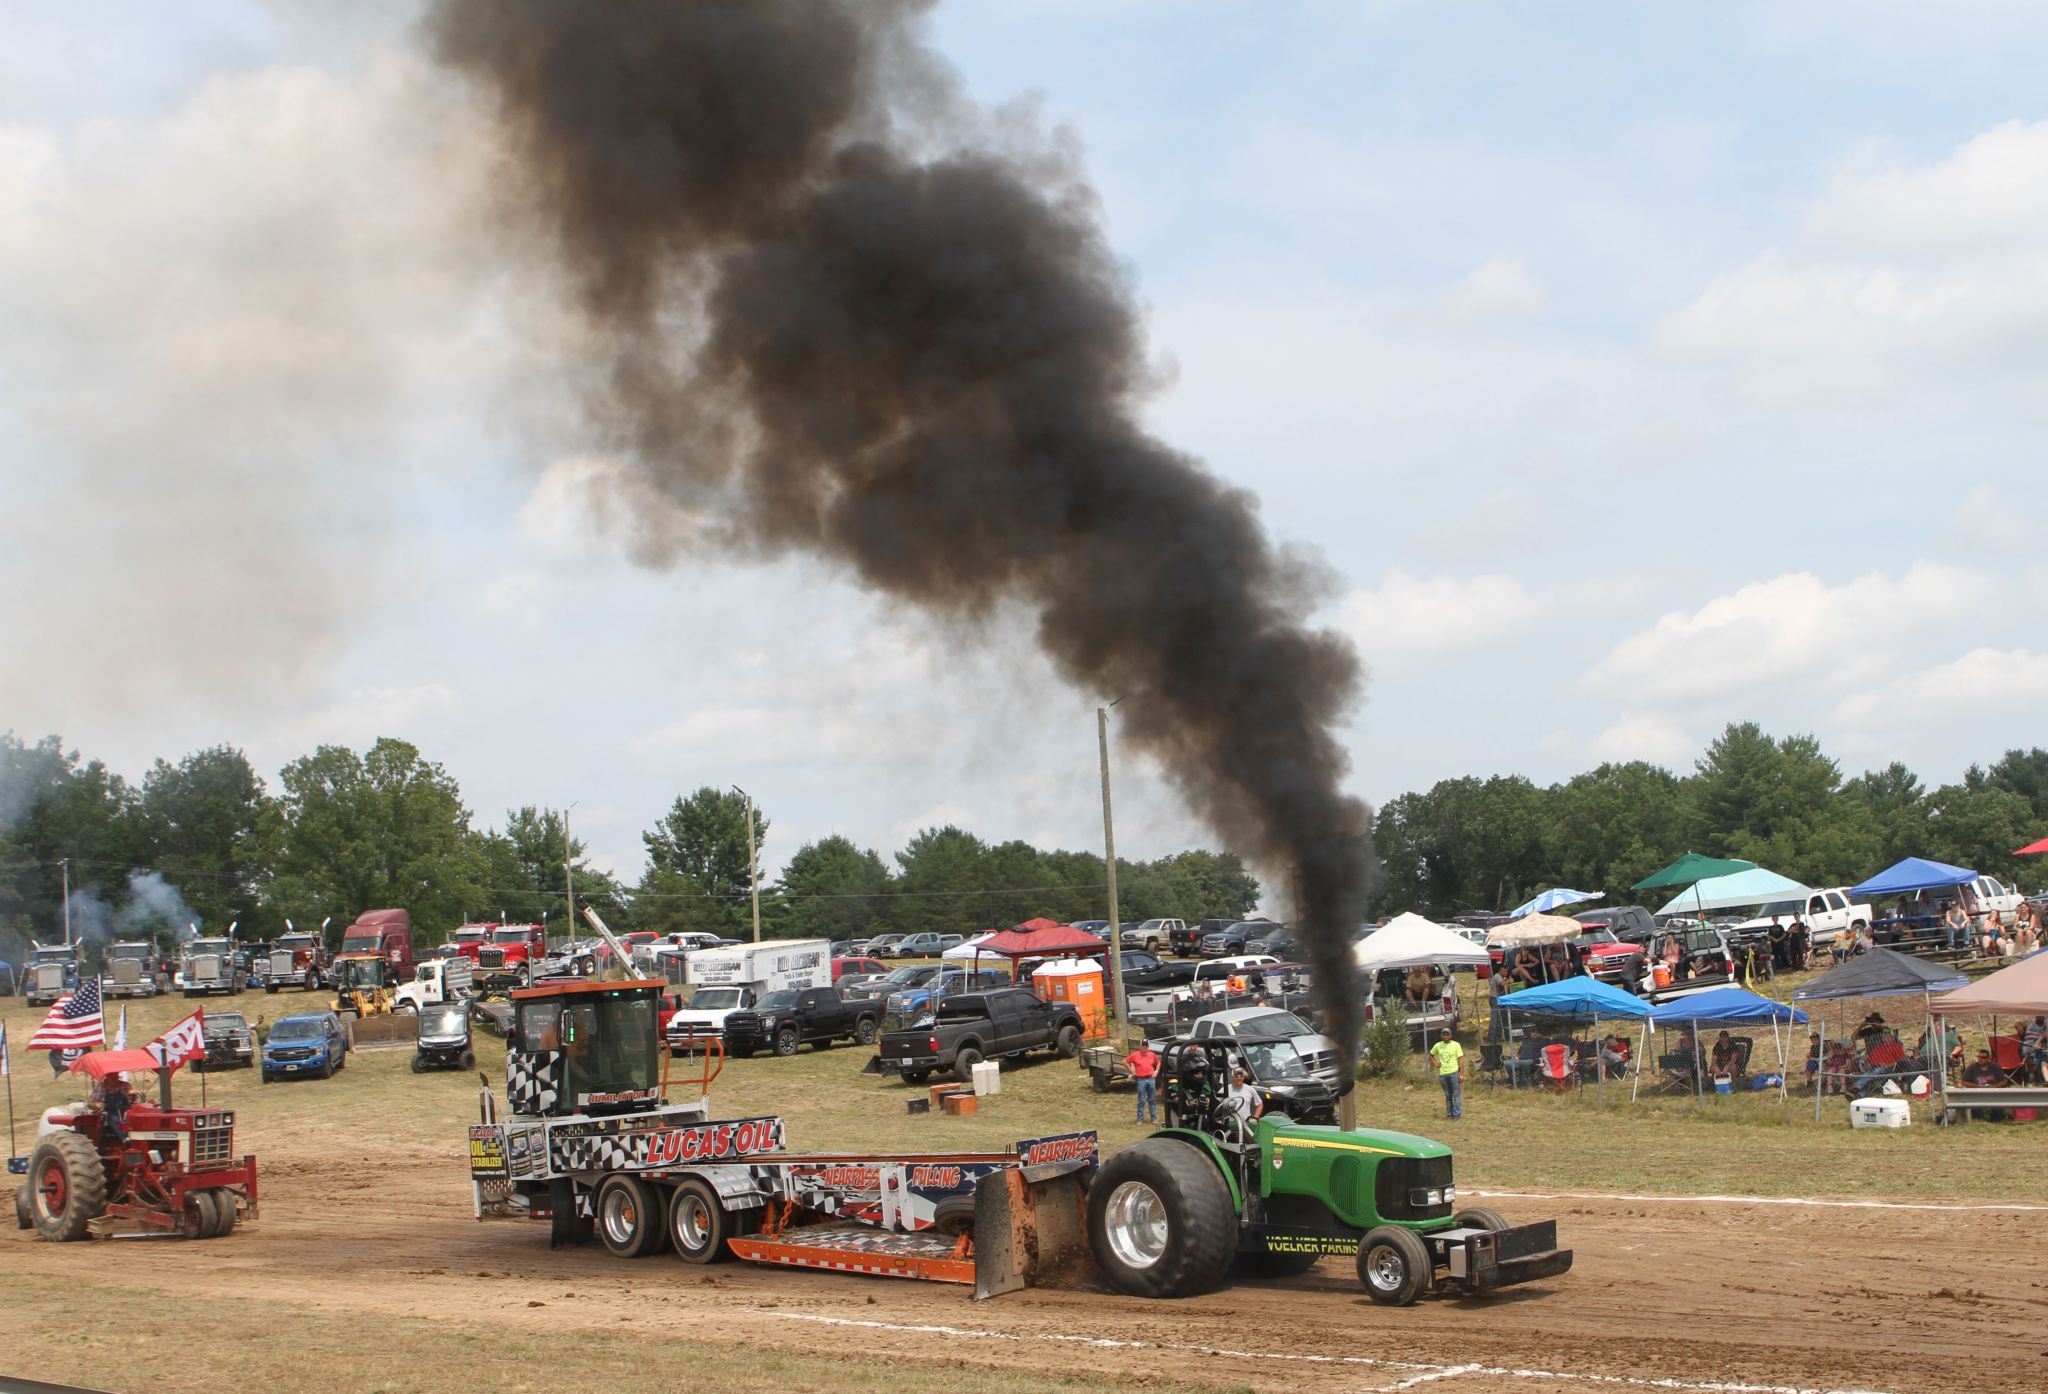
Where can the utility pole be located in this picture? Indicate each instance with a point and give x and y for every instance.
(1116, 956)
(568, 872)
(66, 865)
(753, 862)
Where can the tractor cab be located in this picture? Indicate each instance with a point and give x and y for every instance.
(585, 1048)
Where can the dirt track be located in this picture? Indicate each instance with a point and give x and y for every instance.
(1670, 1294)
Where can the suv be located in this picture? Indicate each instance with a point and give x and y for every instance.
(305, 1043)
(1317, 1051)
(229, 1042)
(1236, 937)
(1152, 935)
(784, 1020)
(1631, 924)
(922, 945)
(879, 946)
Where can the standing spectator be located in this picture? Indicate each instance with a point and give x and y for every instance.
(1801, 944)
(1144, 1063)
(1450, 1072)
(1779, 937)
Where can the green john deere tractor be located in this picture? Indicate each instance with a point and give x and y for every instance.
(1170, 1216)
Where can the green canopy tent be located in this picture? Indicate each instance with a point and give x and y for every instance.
(1690, 870)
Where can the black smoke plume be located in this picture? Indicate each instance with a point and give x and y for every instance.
(843, 313)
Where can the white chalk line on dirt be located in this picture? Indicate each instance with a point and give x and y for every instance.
(1761, 1200)
(1422, 1372)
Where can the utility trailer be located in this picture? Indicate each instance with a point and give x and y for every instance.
(596, 1142)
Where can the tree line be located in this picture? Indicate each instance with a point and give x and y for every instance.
(205, 840)
(1489, 844)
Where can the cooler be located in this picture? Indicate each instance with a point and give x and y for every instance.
(1077, 981)
(1879, 1113)
(988, 1077)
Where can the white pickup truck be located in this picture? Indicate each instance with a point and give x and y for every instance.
(1987, 894)
(1825, 913)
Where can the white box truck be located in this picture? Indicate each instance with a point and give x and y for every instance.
(732, 979)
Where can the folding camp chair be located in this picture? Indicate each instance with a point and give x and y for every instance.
(2010, 1059)
(1555, 1065)
(1489, 1062)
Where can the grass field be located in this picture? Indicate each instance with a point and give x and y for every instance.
(1510, 1139)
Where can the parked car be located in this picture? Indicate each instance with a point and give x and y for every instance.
(1630, 923)
(784, 1020)
(1317, 1051)
(1236, 938)
(976, 1026)
(921, 946)
(230, 1044)
(1603, 954)
(305, 1043)
(878, 989)
(1279, 943)
(1187, 942)
(843, 966)
(1151, 935)
(913, 1002)
(879, 946)
(1149, 970)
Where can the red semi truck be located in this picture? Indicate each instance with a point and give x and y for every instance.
(376, 953)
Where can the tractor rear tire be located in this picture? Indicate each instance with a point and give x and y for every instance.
(629, 1216)
(1067, 1044)
(787, 1041)
(964, 1063)
(699, 1224)
(201, 1218)
(1479, 1217)
(68, 1160)
(1394, 1266)
(1160, 1222)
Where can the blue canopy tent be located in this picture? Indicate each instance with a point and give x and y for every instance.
(1724, 1006)
(1576, 999)
(1912, 874)
(1881, 973)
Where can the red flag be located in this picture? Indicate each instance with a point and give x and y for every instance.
(185, 1041)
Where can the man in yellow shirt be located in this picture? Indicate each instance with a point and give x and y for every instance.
(1449, 1058)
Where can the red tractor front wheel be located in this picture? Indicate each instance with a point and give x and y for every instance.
(67, 1186)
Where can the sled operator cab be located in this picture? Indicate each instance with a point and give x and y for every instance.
(582, 1048)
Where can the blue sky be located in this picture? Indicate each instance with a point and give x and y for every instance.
(1634, 370)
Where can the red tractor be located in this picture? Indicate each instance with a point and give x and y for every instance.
(118, 1159)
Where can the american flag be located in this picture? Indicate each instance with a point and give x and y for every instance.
(75, 1021)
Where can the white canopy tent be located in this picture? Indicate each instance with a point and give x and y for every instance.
(970, 949)
(1410, 941)
(1756, 886)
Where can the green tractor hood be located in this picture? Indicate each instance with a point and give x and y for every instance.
(1366, 1176)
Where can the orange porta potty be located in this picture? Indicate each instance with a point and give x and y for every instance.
(1077, 981)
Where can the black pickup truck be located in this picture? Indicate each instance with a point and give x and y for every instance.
(976, 1026)
(784, 1020)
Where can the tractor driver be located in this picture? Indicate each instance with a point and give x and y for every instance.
(1242, 1101)
(113, 1098)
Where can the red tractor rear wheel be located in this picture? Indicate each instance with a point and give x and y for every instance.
(67, 1186)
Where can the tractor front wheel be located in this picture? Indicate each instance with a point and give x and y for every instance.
(199, 1219)
(67, 1186)
(24, 1216)
(1160, 1221)
(699, 1224)
(629, 1218)
(1479, 1217)
(224, 1206)
(1394, 1266)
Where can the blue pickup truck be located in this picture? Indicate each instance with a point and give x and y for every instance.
(305, 1043)
(914, 1002)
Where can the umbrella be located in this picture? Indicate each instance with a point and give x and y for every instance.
(2033, 847)
(1693, 867)
(1535, 929)
(1552, 899)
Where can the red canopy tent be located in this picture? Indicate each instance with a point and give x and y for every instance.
(1040, 939)
(101, 1063)
(2032, 847)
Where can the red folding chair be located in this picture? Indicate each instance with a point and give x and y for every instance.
(2007, 1055)
(1555, 1063)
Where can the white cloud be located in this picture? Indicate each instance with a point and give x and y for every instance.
(1498, 288)
(1791, 630)
(1411, 621)
(1899, 276)
(1984, 680)
(363, 715)
(1986, 521)
(1638, 736)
